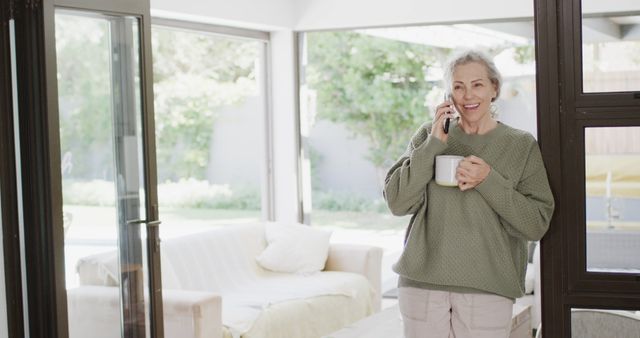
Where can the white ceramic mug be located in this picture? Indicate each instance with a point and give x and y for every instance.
(446, 166)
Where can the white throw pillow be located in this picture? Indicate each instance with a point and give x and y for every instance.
(529, 279)
(294, 248)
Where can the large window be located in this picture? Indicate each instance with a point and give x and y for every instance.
(210, 109)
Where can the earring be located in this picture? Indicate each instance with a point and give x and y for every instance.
(493, 110)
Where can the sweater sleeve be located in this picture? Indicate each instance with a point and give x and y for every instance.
(526, 209)
(406, 181)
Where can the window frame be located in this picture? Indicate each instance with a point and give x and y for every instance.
(9, 206)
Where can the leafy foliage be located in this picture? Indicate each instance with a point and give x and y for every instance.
(375, 87)
(84, 96)
(194, 76)
(524, 54)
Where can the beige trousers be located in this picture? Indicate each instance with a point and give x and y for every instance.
(442, 314)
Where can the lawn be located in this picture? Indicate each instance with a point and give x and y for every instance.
(97, 222)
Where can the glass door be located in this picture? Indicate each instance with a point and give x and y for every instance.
(109, 209)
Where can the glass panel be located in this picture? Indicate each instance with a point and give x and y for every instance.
(103, 196)
(610, 46)
(366, 92)
(210, 129)
(612, 159)
(598, 323)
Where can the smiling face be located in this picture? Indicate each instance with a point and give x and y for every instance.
(472, 91)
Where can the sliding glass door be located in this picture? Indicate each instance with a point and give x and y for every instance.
(108, 171)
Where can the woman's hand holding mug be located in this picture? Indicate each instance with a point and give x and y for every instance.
(471, 171)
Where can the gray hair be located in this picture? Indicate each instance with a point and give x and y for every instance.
(469, 56)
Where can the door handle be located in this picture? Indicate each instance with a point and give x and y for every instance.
(144, 221)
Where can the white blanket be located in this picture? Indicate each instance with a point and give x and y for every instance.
(242, 307)
(333, 299)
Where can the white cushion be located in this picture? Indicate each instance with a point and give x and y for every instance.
(294, 248)
(529, 279)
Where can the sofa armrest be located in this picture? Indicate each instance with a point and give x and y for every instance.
(93, 310)
(99, 269)
(196, 314)
(362, 259)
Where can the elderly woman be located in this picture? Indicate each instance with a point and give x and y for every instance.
(465, 254)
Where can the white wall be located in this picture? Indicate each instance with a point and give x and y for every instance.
(236, 154)
(255, 14)
(343, 166)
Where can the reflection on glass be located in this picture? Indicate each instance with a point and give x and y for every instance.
(610, 52)
(103, 194)
(612, 159)
(598, 323)
(210, 141)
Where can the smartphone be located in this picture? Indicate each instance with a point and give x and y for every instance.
(447, 122)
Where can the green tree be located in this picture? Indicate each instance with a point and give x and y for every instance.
(524, 54)
(375, 87)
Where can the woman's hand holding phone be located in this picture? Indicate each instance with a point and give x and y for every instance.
(444, 112)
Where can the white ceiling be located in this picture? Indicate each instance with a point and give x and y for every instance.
(601, 29)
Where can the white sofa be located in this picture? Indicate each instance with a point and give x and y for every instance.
(213, 287)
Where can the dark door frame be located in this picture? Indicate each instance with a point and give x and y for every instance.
(564, 112)
(40, 175)
(548, 103)
(40, 172)
(8, 182)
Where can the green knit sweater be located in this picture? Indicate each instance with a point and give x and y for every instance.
(474, 240)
